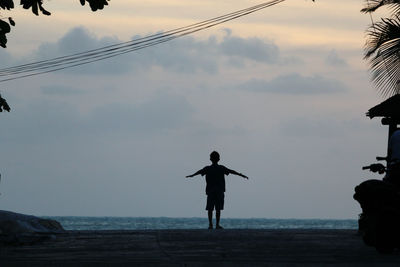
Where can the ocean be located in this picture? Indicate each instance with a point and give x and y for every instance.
(158, 223)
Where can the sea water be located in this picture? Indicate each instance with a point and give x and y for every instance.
(158, 223)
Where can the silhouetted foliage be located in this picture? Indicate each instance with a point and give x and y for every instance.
(36, 7)
(382, 50)
(4, 29)
(95, 4)
(6, 4)
(4, 105)
(373, 5)
(382, 47)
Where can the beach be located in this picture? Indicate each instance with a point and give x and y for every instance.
(228, 247)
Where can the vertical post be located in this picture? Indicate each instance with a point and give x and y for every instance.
(392, 129)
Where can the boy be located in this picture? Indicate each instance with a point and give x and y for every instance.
(215, 187)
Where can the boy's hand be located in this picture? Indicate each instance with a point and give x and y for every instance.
(189, 176)
(244, 176)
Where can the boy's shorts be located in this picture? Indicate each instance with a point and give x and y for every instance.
(215, 200)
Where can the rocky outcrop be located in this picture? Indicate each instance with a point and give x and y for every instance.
(15, 223)
(16, 228)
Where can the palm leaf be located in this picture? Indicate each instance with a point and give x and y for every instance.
(373, 5)
(382, 49)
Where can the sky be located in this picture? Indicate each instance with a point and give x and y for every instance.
(281, 95)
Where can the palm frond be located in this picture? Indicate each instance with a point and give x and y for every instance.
(382, 49)
(373, 5)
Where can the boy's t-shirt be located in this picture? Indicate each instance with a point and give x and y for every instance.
(215, 178)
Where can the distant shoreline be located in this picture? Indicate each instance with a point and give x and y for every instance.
(196, 217)
(165, 223)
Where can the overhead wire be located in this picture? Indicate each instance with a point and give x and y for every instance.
(136, 44)
(94, 55)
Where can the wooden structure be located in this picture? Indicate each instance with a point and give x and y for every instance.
(389, 110)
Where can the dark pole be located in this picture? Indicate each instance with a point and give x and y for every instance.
(392, 129)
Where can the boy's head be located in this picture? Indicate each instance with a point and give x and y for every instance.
(214, 157)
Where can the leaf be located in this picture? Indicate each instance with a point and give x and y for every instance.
(95, 4)
(35, 9)
(4, 27)
(26, 4)
(12, 22)
(36, 5)
(44, 11)
(6, 4)
(373, 5)
(3, 40)
(4, 105)
(382, 50)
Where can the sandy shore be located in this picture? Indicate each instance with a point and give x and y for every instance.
(196, 248)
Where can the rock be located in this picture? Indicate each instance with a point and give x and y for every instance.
(52, 225)
(15, 223)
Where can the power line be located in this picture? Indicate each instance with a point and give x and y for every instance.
(94, 55)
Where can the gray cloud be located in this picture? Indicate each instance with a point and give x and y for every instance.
(79, 40)
(46, 120)
(333, 59)
(76, 40)
(60, 90)
(186, 55)
(323, 127)
(162, 112)
(295, 84)
(5, 58)
(250, 48)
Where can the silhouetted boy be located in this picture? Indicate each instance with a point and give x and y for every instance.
(215, 187)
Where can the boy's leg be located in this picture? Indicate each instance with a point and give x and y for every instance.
(218, 207)
(210, 208)
(218, 217)
(210, 215)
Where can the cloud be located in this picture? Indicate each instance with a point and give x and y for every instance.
(76, 40)
(182, 55)
(250, 48)
(50, 119)
(189, 55)
(295, 84)
(333, 59)
(80, 40)
(5, 58)
(162, 112)
(60, 90)
(322, 127)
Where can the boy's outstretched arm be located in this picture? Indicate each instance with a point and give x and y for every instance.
(194, 174)
(239, 174)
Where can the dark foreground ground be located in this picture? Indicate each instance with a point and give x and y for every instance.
(197, 248)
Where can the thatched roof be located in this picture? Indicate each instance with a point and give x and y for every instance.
(389, 108)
